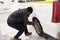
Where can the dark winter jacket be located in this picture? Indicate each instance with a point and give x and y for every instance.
(20, 16)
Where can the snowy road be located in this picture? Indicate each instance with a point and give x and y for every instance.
(34, 36)
(6, 32)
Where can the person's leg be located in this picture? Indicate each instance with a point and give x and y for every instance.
(18, 26)
(26, 31)
(18, 34)
(16, 37)
(21, 30)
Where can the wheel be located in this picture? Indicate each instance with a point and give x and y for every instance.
(38, 27)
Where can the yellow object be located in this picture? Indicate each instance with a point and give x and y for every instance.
(39, 2)
(49, 0)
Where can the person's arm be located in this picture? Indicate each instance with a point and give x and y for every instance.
(30, 23)
(25, 19)
(26, 22)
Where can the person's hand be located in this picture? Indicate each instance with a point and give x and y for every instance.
(30, 23)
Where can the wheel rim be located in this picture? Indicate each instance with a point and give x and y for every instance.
(37, 27)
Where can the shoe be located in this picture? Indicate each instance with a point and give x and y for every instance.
(16, 39)
(28, 34)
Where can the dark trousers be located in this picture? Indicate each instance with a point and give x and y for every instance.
(19, 26)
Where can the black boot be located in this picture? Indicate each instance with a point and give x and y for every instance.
(28, 34)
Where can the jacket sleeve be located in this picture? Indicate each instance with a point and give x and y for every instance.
(25, 19)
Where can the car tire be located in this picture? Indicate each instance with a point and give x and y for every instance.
(38, 27)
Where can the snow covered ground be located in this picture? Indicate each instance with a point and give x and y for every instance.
(6, 32)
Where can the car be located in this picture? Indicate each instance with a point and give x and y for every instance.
(44, 17)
